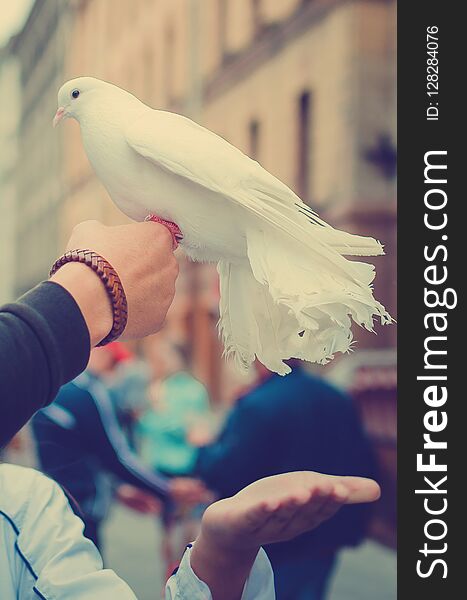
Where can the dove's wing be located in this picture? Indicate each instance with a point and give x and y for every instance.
(187, 149)
(191, 151)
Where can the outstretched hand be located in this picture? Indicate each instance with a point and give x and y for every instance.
(274, 509)
(279, 508)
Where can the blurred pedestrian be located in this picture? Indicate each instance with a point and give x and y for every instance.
(179, 402)
(79, 442)
(129, 387)
(294, 423)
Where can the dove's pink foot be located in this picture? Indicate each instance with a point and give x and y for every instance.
(174, 229)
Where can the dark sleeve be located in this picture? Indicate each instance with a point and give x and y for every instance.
(115, 454)
(44, 342)
(243, 451)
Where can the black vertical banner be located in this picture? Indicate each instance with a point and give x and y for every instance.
(431, 319)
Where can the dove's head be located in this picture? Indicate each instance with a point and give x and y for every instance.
(79, 96)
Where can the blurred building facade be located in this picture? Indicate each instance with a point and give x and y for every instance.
(39, 53)
(9, 122)
(307, 87)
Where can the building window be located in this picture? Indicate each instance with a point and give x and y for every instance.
(169, 75)
(303, 145)
(253, 139)
(222, 27)
(149, 73)
(256, 15)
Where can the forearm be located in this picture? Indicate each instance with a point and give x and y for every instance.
(21, 390)
(224, 570)
(44, 342)
(117, 456)
(130, 470)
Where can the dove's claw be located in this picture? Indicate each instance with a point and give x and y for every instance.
(174, 229)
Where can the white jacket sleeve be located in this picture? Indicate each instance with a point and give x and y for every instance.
(44, 553)
(185, 585)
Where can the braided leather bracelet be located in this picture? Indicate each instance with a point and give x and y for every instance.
(110, 279)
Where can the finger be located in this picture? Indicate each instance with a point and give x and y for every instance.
(361, 489)
(286, 511)
(340, 494)
(338, 497)
(287, 516)
(319, 497)
(310, 514)
(258, 516)
(268, 514)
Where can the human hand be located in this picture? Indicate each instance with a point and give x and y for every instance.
(200, 434)
(278, 508)
(16, 444)
(141, 254)
(187, 491)
(274, 509)
(138, 500)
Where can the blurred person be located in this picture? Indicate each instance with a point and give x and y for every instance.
(293, 423)
(179, 402)
(129, 387)
(79, 442)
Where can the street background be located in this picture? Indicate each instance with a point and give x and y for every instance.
(307, 88)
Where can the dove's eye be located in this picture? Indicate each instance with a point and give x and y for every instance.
(75, 94)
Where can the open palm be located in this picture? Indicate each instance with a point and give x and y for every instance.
(278, 508)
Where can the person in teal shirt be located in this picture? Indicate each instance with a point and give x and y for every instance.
(181, 402)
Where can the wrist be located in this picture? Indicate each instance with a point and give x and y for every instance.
(221, 552)
(213, 561)
(90, 295)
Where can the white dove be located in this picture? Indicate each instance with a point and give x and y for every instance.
(286, 288)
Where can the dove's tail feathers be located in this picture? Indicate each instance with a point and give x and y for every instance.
(320, 297)
(274, 202)
(234, 315)
(293, 303)
(251, 324)
(348, 244)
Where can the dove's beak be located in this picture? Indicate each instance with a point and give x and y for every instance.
(58, 116)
